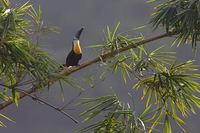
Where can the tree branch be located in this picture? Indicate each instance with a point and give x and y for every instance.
(42, 101)
(48, 104)
(67, 72)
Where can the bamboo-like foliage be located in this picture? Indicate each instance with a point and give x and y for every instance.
(118, 116)
(22, 61)
(170, 88)
(180, 16)
(173, 89)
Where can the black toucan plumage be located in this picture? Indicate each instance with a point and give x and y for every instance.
(75, 55)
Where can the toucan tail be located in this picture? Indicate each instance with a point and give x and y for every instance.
(78, 34)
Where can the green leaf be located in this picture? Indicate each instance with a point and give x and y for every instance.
(145, 112)
(149, 97)
(62, 91)
(40, 12)
(140, 52)
(24, 7)
(115, 31)
(109, 34)
(95, 46)
(5, 3)
(167, 125)
(2, 124)
(5, 117)
(150, 1)
(134, 55)
(3, 96)
(15, 96)
(103, 103)
(157, 121)
(6, 26)
(97, 109)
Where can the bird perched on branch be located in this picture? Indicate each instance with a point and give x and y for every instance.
(75, 55)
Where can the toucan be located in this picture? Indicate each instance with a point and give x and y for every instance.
(75, 54)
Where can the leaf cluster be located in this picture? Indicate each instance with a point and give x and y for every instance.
(169, 87)
(179, 16)
(22, 62)
(118, 116)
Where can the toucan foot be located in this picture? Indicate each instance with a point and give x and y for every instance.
(64, 65)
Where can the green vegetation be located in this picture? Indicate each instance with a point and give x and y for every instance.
(170, 90)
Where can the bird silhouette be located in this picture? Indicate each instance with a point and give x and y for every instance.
(75, 54)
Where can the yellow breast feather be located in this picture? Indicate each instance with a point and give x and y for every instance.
(77, 47)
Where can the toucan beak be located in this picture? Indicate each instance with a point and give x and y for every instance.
(78, 34)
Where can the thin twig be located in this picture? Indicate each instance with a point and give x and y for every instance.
(67, 72)
(48, 104)
(42, 101)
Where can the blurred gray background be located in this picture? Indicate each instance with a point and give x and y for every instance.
(94, 15)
